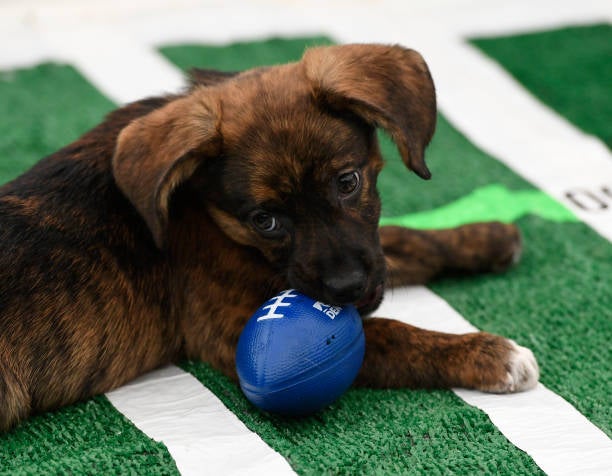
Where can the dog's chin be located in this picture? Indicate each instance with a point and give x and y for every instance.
(370, 301)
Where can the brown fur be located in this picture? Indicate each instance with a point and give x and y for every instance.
(138, 245)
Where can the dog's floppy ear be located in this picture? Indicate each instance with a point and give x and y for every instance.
(387, 86)
(159, 151)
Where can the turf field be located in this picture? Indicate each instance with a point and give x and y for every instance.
(557, 301)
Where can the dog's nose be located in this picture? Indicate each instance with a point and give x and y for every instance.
(346, 287)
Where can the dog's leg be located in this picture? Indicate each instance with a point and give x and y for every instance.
(399, 355)
(418, 256)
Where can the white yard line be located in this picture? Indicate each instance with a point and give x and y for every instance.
(122, 68)
(541, 423)
(201, 434)
(26, 49)
(501, 118)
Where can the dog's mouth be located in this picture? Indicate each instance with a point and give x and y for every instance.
(370, 301)
(365, 303)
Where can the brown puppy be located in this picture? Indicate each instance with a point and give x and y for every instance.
(156, 235)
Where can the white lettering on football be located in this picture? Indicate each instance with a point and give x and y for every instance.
(330, 311)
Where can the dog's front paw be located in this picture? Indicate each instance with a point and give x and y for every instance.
(482, 247)
(522, 371)
(500, 365)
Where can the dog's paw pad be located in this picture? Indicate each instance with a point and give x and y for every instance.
(522, 370)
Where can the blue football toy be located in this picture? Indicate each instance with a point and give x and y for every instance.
(297, 355)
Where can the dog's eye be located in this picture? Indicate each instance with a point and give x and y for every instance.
(264, 222)
(349, 182)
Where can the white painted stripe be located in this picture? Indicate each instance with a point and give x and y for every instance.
(201, 434)
(27, 48)
(495, 18)
(496, 113)
(559, 438)
(123, 69)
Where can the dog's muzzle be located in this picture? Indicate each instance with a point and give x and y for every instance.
(346, 287)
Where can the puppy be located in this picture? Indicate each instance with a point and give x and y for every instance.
(155, 236)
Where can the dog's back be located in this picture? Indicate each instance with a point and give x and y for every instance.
(73, 251)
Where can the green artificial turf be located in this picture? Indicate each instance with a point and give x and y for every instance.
(88, 438)
(491, 202)
(241, 55)
(569, 69)
(42, 109)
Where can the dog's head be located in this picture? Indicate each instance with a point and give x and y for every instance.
(288, 158)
